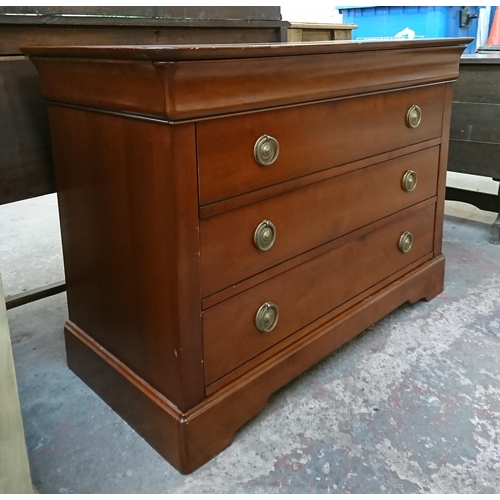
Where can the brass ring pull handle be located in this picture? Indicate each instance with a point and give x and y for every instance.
(266, 150)
(405, 242)
(265, 235)
(409, 181)
(413, 116)
(267, 316)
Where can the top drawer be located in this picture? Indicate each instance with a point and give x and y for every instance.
(311, 138)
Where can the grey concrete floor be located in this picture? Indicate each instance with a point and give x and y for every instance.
(411, 405)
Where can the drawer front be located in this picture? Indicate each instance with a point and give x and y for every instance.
(310, 138)
(310, 290)
(308, 217)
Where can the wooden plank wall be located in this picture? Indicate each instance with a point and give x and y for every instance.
(26, 160)
(253, 13)
(475, 132)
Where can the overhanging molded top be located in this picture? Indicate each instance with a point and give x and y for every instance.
(235, 51)
(188, 82)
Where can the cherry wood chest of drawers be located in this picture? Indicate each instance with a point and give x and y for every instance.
(232, 214)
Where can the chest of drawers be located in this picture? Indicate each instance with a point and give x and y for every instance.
(232, 214)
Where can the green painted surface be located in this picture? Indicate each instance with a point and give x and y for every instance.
(14, 468)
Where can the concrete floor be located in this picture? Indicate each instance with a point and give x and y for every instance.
(410, 406)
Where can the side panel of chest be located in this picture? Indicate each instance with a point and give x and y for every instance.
(127, 202)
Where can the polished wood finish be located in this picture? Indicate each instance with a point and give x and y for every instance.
(189, 52)
(26, 168)
(286, 186)
(308, 217)
(128, 394)
(130, 243)
(313, 326)
(191, 439)
(332, 131)
(309, 291)
(163, 281)
(218, 71)
(475, 125)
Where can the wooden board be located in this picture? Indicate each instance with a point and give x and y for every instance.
(317, 32)
(36, 294)
(26, 159)
(171, 12)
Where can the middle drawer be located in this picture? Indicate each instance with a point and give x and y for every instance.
(308, 217)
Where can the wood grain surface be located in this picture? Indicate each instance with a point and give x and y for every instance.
(292, 184)
(191, 52)
(26, 156)
(228, 409)
(129, 228)
(160, 194)
(309, 291)
(237, 78)
(308, 217)
(331, 130)
(188, 440)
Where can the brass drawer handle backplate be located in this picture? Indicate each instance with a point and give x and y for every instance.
(409, 181)
(266, 150)
(405, 242)
(265, 235)
(267, 316)
(413, 116)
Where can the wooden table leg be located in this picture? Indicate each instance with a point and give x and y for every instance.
(495, 228)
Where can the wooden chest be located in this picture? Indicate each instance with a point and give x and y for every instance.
(232, 214)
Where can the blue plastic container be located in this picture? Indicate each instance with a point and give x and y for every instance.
(409, 22)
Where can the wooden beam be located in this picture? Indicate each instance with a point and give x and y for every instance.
(36, 294)
(484, 201)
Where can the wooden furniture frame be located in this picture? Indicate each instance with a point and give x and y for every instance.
(475, 131)
(167, 158)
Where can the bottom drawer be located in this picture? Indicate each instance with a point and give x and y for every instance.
(231, 334)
